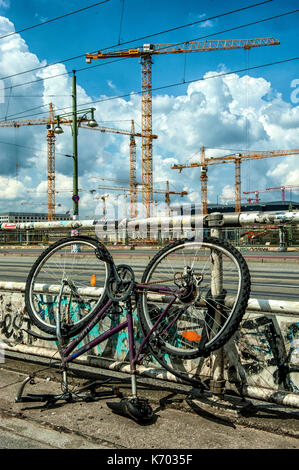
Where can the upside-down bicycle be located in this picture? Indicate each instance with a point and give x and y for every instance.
(190, 300)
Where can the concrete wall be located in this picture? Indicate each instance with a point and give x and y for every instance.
(263, 354)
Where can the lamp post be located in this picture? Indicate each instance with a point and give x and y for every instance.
(75, 150)
(76, 117)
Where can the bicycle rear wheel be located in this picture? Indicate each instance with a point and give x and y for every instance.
(70, 277)
(216, 283)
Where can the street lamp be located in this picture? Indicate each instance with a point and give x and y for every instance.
(76, 120)
(58, 129)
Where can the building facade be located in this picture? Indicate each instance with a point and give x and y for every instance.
(21, 217)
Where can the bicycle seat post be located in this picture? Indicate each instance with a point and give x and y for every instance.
(131, 348)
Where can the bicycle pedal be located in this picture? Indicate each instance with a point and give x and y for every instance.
(138, 409)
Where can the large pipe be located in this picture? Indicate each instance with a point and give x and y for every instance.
(281, 307)
(237, 220)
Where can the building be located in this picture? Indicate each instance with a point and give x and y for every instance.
(19, 217)
(271, 206)
(230, 208)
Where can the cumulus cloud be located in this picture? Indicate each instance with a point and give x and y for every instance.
(223, 114)
(228, 194)
(11, 189)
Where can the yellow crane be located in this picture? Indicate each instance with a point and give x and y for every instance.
(132, 181)
(236, 159)
(145, 54)
(167, 192)
(50, 122)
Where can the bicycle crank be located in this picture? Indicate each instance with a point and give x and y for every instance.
(121, 283)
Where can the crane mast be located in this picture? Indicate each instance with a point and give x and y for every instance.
(236, 159)
(133, 183)
(145, 53)
(51, 167)
(50, 122)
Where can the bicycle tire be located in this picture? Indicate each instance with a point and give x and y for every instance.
(183, 348)
(43, 317)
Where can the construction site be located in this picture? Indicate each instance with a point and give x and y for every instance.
(142, 194)
(214, 163)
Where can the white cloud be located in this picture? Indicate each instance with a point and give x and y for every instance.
(5, 3)
(11, 189)
(228, 194)
(205, 24)
(229, 112)
(286, 172)
(111, 84)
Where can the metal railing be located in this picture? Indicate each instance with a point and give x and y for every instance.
(268, 316)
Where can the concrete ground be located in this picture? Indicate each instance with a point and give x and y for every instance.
(183, 419)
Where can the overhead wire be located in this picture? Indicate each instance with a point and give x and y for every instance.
(42, 23)
(252, 23)
(184, 42)
(140, 38)
(162, 87)
(121, 20)
(189, 81)
(30, 148)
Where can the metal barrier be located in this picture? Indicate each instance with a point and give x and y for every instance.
(260, 361)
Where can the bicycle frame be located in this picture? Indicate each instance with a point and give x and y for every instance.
(67, 354)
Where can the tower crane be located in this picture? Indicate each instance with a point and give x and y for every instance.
(132, 181)
(51, 151)
(157, 191)
(256, 192)
(49, 123)
(236, 158)
(133, 184)
(145, 54)
(290, 187)
(282, 188)
(248, 199)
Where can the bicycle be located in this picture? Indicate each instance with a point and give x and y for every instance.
(190, 300)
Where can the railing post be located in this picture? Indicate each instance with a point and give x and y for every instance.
(217, 383)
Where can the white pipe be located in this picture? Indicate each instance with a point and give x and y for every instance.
(259, 393)
(275, 396)
(243, 219)
(254, 305)
(48, 288)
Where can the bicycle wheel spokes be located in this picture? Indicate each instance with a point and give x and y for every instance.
(209, 278)
(72, 275)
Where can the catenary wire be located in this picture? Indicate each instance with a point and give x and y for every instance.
(54, 19)
(30, 148)
(217, 75)
(118, 60)
(138, 39)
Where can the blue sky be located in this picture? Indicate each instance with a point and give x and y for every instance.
(267, 92)
(101, 27)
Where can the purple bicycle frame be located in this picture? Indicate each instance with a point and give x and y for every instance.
(67, 354)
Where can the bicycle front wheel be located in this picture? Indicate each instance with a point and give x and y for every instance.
(214, 284)
(70, 277)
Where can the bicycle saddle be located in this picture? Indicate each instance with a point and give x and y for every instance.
(136, 408)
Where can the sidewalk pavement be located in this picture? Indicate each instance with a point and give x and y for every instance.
(183, 419)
